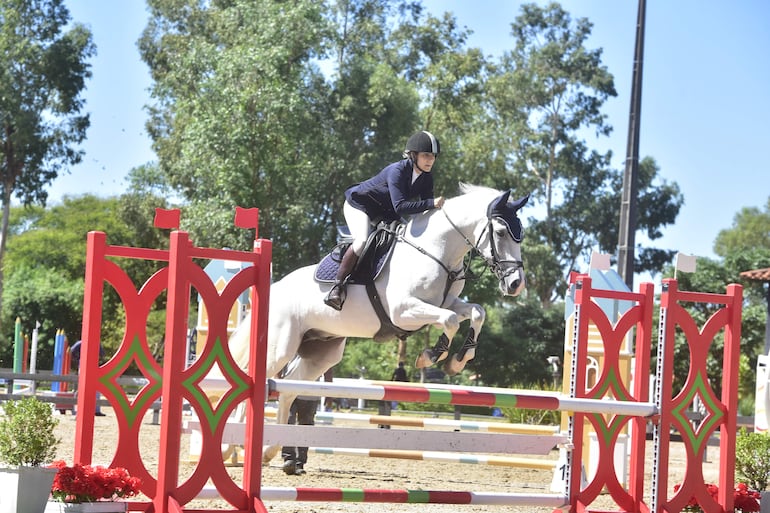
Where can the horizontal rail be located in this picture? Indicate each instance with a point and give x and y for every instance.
(400, 496)
(446, 457)
(467, 396)
(368, 438)
(427, 422)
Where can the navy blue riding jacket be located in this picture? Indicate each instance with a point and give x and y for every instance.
(390, 194)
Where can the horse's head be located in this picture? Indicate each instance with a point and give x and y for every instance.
(502, 248)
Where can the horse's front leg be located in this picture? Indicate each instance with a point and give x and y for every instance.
(415, 313)
(467, 352)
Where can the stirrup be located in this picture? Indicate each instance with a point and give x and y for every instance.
(336, 300)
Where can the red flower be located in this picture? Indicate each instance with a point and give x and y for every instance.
(86, 483)
(745, 500)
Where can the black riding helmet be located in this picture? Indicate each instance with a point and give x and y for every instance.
(424, 142)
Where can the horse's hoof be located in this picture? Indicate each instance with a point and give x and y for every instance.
(422, 360)
(428, 358)
(455, 365)
(289, 467)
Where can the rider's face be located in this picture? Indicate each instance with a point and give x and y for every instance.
(425, 161)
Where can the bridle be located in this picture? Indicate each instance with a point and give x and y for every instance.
(501, 268)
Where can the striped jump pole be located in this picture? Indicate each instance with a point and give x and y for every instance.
(426, 422)
(460, 395)
(412, 496)
(401, 496)
(444, 457)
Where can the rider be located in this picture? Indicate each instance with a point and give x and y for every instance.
(388, 196)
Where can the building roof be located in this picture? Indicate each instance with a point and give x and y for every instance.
(757, 274)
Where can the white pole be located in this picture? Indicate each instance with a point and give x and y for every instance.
(33, 357)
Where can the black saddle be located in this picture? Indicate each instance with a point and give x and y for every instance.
(377, 251)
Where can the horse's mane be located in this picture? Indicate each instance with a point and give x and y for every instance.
(467, 192)
(467, 188)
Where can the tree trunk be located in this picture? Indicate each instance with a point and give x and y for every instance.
(3, 238)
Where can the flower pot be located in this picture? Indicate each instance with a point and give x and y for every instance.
(86, 507)
(25, 489)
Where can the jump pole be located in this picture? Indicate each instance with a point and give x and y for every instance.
(374, 443)
(425, 422)
(400, 496)
(445, 457)
(460, 395)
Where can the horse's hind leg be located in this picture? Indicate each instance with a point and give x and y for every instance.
(281, 417)
(313, 359)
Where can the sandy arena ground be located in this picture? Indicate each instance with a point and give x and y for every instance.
(358, 472)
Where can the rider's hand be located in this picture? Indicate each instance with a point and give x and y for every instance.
(438, 202)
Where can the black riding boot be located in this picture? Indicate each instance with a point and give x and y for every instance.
(338, 293)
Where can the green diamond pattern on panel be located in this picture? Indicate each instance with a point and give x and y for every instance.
(233, 375)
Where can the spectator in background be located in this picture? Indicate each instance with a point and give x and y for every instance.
(400, 373)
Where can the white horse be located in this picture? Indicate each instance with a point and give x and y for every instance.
(419, 286)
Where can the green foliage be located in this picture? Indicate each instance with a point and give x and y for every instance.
(368, 359)
(515, 343)
(550, 91)
(27, 435)
(39, 295)
(752, 459)
(750, 230)
(532, 417)
(43, 69)
(45, 265)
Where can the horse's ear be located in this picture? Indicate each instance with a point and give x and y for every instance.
(518, 203)
(498, 203)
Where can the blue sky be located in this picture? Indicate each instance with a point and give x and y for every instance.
(705, 106)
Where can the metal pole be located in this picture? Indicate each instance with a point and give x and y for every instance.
(767, 321)
(628, 208)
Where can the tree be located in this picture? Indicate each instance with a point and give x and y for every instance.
(39, 295)
(750, 230)
(550, 90)
(234, 120)
(47, 255)
(516, 342)
(43, 69)
(237, 120)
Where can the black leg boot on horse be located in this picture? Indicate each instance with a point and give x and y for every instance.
(338, 293)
